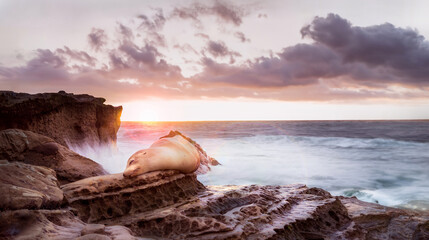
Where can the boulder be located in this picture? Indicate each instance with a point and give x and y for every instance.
(111, 196)
(55, 224)
(36, 149)
(27, 186)
(67, 118)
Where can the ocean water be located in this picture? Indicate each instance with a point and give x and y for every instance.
(377, 161)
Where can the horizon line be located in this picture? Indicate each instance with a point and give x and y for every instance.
(278, 120)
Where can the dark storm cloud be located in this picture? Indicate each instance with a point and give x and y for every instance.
(222, 10)
(371, 56)
(403, 52)
(97, 38)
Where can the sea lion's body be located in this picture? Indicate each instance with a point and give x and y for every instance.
(175, 153)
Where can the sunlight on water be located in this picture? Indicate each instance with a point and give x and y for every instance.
(372, 167)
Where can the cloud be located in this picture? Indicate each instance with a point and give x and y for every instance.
(401, 52)
(223, 11)
(80, 56)
(153, 26)
(342, 62)
(125, 31)
(219, 49)
(374, 56)
(97, 38)
(242, 37)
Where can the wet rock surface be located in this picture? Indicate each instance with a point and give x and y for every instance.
(64, 117)
(32, 148)
(170, 205)
(375, 221)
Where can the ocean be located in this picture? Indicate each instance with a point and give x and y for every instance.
(386, 162)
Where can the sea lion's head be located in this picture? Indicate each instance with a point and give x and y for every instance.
(137, 163)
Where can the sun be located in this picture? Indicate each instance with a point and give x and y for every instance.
(148, 115)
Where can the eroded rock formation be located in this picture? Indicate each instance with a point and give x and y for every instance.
(55, 224)
(65, 117)
(160, 204)
(35, 149)
(111, 196)
(27, 186)
(170, 205)
(32, 207)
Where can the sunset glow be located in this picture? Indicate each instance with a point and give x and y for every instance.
(203, 110)
(224, 60)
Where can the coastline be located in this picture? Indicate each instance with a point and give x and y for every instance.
(169, 204)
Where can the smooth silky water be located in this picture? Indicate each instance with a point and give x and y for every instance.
(377, 161)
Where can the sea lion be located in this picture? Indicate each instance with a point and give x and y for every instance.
(169, 152)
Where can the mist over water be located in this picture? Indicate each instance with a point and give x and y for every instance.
(377, 161)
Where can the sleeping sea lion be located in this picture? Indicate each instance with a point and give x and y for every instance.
(169, 152)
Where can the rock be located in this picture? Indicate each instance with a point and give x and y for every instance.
(205, 159)
(65, 117)
(379, 222)
(250, 212)
(54, 224)
(35, 149)
(171, 205)
(27, 186)
(111, 196)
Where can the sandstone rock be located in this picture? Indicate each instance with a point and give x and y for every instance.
(27, 186)
(111, 196)
(54, 224)
(379, 222)
(170, 205)
(65, 117)
(35, 149)
(166, 204)
(250, 212)
(205, 159)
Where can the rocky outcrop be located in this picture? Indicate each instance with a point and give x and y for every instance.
(374, 221)
(55, 224)
(65, 117)
(111, 196)
(35, 149)
(32, 207)
(170, 205)
(27, 186)
(160, 204)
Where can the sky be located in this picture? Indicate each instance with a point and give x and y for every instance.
(224, 60)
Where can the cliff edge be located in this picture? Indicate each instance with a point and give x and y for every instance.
(67, 118)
